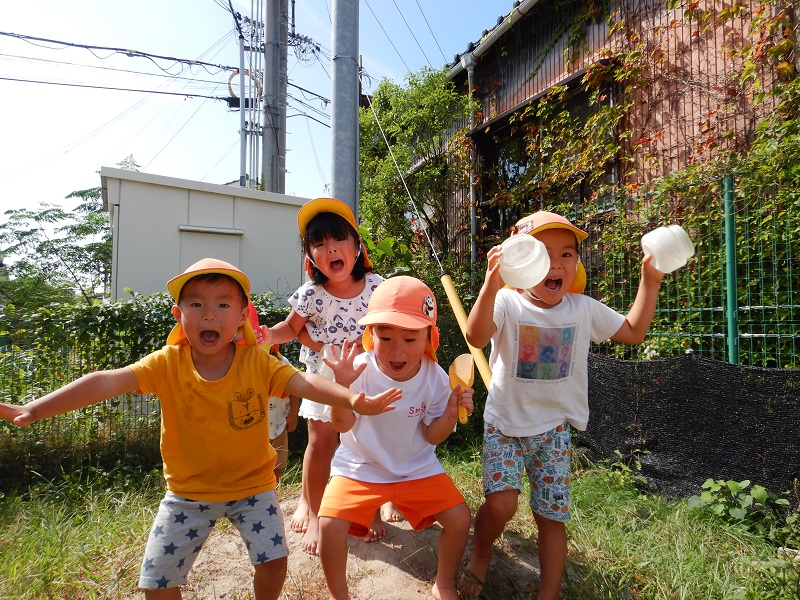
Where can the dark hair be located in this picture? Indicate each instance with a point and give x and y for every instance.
(214, 278)
(330, 225)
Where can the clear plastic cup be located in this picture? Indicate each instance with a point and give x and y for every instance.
(670, 247)
(524, 262)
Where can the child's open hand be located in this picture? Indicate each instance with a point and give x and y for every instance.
(341, 363)
(18, 415)
(375, 405)
(460, 397)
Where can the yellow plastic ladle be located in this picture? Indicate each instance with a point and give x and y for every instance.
(462, 372)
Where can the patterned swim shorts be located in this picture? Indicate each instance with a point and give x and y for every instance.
(544, 457)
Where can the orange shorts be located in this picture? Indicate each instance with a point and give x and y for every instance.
(420, 500)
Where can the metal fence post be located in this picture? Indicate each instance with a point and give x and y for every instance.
(730, 272)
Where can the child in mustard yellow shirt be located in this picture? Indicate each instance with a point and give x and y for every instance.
(214, 427)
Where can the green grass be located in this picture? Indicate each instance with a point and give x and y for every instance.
(82, 537)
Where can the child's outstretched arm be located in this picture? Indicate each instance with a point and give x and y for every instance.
(443, 426)
(317, 388)
(85, 391)
(637, 322)
(480, 323)
(286, 330)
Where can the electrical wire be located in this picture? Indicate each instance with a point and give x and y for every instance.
(130, 53)
(400, 56)
(435, 39)
(411, 31)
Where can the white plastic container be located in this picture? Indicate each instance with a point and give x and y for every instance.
(670, 247)
(524, 262)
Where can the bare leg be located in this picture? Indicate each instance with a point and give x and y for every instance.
(552, 541)
(322, 442)
(333, 555)
(452, 543)
(299, 520)
(268, 579)
(497, 510)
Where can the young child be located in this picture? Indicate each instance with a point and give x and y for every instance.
(282, 421)
(394, 459)
(539, 389)
(213, 427)
(326, 310)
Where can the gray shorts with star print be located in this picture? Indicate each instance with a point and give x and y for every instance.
(182, 526)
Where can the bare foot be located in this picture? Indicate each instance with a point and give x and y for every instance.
(299, 520)
(445, 593)
(470, 585)
(376, 530)
(311, 537)
(390, 514)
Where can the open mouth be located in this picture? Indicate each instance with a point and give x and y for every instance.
(209, 337)
(397, 366)
(553, 285)
(337, 265)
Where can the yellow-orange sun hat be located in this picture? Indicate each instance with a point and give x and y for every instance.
(312, 208)
(203, 267)
(543, 219)
(404, 302)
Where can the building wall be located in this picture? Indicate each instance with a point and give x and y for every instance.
(161, 225)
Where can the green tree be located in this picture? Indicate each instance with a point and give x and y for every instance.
(412, 142)
(58, 255)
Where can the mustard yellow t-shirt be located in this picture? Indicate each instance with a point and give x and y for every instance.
(215, 434)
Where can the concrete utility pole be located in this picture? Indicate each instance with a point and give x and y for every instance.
(276, 38)
(344, 102)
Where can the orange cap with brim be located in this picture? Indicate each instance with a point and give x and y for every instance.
(543, 219)
(322, 205)
(404, 302)
(203, 267)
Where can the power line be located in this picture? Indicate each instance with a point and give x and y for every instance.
(123, 51)
(400, 56)
(435, 39)
(411, 31)
(116, 89)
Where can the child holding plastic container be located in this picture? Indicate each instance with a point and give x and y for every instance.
(539, 389)
(325, 311)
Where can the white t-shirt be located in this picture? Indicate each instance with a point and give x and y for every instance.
(390, 447)
(539, 361)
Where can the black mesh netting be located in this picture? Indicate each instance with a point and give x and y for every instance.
(693, 418)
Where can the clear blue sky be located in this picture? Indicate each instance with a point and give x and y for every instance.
(55, 138)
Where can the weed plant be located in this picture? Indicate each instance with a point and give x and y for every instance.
(81, 536)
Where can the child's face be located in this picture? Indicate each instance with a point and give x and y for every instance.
(562, 248)
(211, 313)
(399, 351)
(335, 258)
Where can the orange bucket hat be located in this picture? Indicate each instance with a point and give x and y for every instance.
(543, 219)
(405, 302)
(322, 205)
(203, 267)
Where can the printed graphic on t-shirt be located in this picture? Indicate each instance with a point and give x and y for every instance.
(246, 410)
(545, 352)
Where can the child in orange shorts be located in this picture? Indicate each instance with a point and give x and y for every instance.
(394, 458)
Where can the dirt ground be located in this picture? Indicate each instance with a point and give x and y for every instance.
(399, 567)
